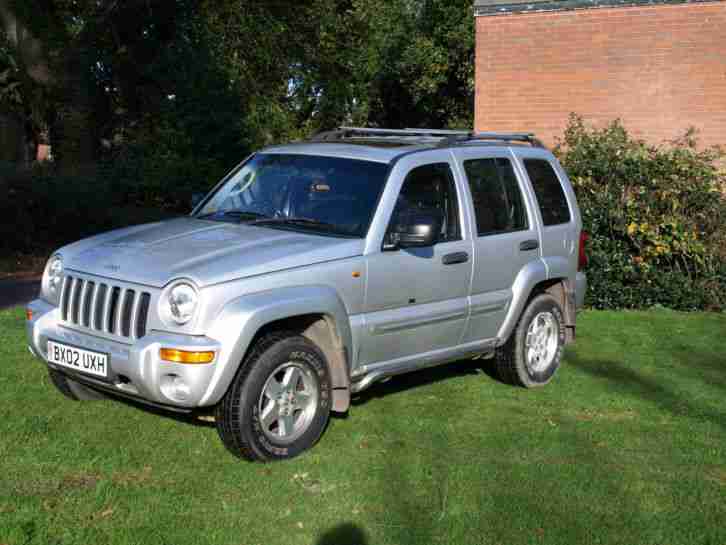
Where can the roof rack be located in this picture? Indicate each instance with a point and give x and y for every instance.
(365, 132)
(442, 138)
(526, 137)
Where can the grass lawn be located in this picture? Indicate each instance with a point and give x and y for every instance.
(627, 445)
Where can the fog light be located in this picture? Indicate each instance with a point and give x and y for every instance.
(174, 387)
(28, 314)
(184, 356)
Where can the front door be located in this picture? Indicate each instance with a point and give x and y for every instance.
(416, 298)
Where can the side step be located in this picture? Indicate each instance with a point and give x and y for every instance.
(366, 380)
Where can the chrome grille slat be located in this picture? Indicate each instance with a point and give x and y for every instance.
(77, 302)
(72, 301)
(120, 312)
(126, 312)
(143, 315)
(106, 309)
(100, 301)
(82, 303)
(94, 302)
(112, 309)
(64, 297)
(135, 315)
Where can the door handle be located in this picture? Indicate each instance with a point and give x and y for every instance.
(528, 245)
(456, 257)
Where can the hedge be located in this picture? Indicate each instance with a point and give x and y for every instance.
(655, 215)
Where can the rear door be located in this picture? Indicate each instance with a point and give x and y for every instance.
(555, 207)
(505, 234)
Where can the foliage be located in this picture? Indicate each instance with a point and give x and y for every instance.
(44, 208)
(655, 215)
(10, 87)
(392, 63)
(91, 71)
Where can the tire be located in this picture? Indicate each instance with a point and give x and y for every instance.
(534, 363)
(279, 403)
(72, 389)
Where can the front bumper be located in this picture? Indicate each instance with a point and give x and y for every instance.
(135, 370)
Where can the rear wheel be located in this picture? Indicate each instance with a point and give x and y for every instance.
(279, 404)
(533, 352)
(72, 389)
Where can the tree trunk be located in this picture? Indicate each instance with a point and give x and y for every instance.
(65, 78)
(12, 138)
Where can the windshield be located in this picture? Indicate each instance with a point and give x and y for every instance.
(329, 195)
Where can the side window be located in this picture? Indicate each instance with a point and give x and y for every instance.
(498, 202)
(431, 187)
(549, 192)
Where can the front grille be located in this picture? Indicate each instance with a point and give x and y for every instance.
(104, 307)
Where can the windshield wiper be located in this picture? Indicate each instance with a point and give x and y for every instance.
(239, 214)
(305, 222)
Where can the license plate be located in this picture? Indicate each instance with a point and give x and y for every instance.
(85, 361)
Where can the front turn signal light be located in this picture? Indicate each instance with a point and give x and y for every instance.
(185, 356)
(28, 314)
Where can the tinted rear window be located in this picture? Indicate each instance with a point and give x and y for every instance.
(498, 201)
(549, 192)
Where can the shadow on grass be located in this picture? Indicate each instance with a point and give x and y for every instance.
(192, 419)
(524, 485)
(710, 367)
(629, 382)
(344, 534)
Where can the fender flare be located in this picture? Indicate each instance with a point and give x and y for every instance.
(239, 321)
(558, 267)
(531, 274)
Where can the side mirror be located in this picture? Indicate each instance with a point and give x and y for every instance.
(415, 229)
(196, 199)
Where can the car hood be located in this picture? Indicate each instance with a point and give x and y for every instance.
(204, 251)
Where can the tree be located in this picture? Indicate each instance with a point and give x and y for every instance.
(50, 66)
(392, 63)
(104, 74)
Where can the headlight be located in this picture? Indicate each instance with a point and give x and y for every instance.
(53, 279)
(180, 302)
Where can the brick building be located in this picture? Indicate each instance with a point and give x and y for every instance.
(659, 65)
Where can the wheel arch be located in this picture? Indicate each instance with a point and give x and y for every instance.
(315, 312)
(322, 330)
(531, 281)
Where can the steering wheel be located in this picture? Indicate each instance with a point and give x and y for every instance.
(263, 207)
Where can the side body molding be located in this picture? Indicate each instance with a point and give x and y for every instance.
(239, 321)
(530, 275)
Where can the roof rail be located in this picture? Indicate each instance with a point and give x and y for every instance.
(366, 132)
(526, 137)
(442, 138)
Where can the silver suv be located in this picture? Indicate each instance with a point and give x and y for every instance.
(314, 270)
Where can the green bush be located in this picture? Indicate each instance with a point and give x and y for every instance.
(44, 209)
(655, 216)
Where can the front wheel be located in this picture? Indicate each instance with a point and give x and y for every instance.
(533, 352)
(279, 403)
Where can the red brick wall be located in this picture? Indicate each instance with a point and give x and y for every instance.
(660, 69)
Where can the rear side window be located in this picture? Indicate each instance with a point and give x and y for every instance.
(498, 203)
(550, 195)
